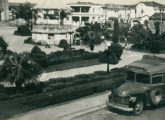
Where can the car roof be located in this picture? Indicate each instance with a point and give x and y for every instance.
(148, 65)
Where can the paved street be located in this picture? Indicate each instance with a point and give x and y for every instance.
(104, 114)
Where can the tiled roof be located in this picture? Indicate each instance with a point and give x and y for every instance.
(14, 4)
(154, 4)
(116, 6)
(83, 3)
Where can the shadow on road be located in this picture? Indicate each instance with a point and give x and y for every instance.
(119, 111)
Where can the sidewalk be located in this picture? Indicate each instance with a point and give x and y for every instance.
(127, 57)
(67, 111)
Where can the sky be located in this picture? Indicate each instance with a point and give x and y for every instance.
(96, 1)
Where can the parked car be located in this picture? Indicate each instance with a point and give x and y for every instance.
(144, 85)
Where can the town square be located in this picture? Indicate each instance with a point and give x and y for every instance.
(82, 60)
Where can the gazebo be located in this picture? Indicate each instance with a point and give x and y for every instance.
(51, 24)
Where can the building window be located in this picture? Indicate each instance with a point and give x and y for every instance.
(98, 18)
(85, 19)
(76, 9)
(67, 18)
(75, 19)
(142, 11)
(157, 79)
(93, 18)
(85, 9)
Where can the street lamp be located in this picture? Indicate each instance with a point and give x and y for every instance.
(70, 33)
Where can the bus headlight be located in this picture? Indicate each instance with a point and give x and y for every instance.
(132, 99)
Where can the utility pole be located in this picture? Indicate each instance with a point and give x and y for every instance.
(161, 23)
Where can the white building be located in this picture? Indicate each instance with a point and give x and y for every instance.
(124, 12)
(148, 9)
(86, 12)
(144, 10)
(4, 10)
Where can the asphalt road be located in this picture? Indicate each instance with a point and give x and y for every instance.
(157, 113)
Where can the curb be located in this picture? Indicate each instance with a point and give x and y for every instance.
(74, 116)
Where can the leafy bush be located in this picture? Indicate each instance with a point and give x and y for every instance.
(38, 56)
(23, 30)
(63, 44)
(67, 91)
(36, 86)
(117, 49)
(157, 46)
(137, 47)
(112, 58)
(29, 40)
(3, 45)
(18, 69)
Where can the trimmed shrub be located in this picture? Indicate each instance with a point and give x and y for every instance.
(112, 58)
(63, 44)
(117, 49)
(29, 40)
(38, 56)
(3, 97)
(23, 30)
(137, 47)
(157, 46)
(9, 52)
(100, 72)
(36, 86)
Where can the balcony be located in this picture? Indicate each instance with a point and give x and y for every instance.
(80, 9)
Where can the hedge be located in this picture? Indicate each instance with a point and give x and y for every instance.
(23, 30)
(66, 59)
(61, 57)
(57, 96)
(63, 89)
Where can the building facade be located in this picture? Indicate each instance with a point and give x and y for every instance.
(122, 12)
(86, 12)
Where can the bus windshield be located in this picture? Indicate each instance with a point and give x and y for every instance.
(130, 76)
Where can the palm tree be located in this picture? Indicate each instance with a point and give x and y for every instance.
(19, 69)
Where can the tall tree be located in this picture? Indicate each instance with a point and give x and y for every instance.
(157, 28)
(116, 31)
(25, 12)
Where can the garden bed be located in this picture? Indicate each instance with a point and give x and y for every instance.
(64, 89)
